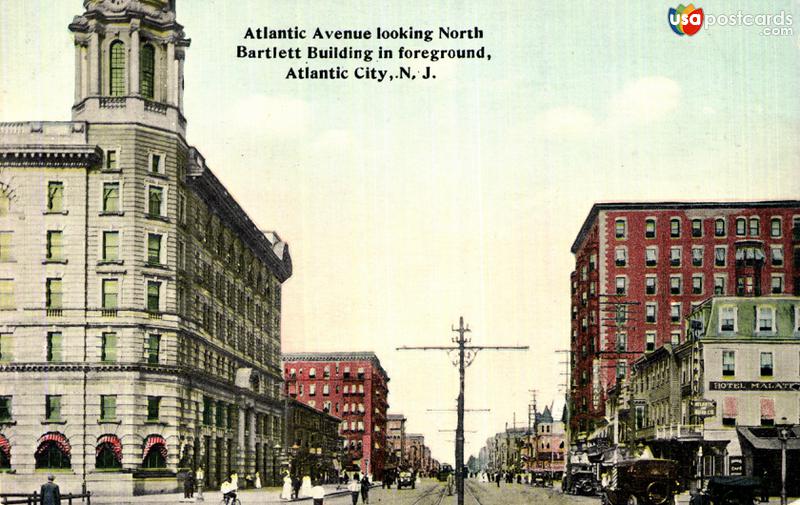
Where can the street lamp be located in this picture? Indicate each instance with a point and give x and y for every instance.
(275, 450)
(783, 436)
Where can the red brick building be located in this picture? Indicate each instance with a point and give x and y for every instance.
(641, 267)
(352, 386)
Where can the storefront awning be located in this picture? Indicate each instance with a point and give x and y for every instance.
(5, 447)
(113, 442)
(152, 441)
(766, 438)
(57, 438)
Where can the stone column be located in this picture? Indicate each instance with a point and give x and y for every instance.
(251, 444)
(181, 56)
(240, 454)
(78, 71)
(171, 64)
(133, 61)
(94, 62)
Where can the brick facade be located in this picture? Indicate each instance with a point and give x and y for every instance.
(352, 387)
(657, 261)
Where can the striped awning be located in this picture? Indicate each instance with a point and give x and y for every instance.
(57, 438)
(113, 442)
(5, 447)
(155, 441)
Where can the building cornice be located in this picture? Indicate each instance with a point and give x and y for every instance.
(336, 356)
(206, 185)
(621, 206)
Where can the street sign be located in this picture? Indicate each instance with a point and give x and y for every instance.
(704, 408)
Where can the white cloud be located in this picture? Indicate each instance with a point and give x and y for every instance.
(568, 121)
(644, 100)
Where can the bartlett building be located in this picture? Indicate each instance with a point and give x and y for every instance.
(354, 387)
(140, 321)
(640, 268)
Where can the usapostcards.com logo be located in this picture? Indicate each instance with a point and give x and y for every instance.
(685, 20)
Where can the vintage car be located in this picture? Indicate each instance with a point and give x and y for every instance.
(732, 490)
(580, 480)
(643, 481)
(406, 479)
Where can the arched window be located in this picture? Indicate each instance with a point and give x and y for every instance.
(53, 452)
(147, 66)
(108, 453)
(116, 76)
(155, 452)
(5, 453)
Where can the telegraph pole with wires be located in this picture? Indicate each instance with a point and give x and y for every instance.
(466, 355)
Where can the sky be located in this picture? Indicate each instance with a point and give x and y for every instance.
(407, 204)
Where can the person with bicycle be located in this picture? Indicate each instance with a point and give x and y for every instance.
(228, 489)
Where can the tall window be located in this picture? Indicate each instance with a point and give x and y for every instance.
(54, 346)
(674, 228)
(697, 256)
(147, 66)
(110, 293)
(111, 197)
(741, 226)
(621, 255)
(111, 159)
(6, 293)
(108, 347)
(650, 228)
(650, 285)
(727, 318)
(621, 285)
(719, 285)
(110, 246)
(777, 256)
(650, 313)
(108, 407)
(153, 249)
(620, 228)
(153, 348)
(55, 246)
(117, 68)
(5, 408)
(5, 245)
(675, 312)
(622, 341)
(720, 256)
(155, 196)
(697, 227)
(754, 227)
(728, 363)
(766, 363)
(54, 293)
(650, 341)
(153, 296)
(719, 228)
(153, 407)
(775, 227)
(55, 196)
(675, 285)
(52, 407)
(697, 284)
(767, 412)
(766, 318)
(651, 256)
(729, 411)
(675, 257)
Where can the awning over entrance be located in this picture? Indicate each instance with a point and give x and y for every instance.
(767, 437)
(56, 438)
(155, 441)
(113, 442)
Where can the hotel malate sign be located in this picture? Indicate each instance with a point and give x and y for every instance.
(754, 386)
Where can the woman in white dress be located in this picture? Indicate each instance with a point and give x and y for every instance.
(305, 488)
(286, 492)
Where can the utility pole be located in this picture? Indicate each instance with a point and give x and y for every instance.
(466, 355)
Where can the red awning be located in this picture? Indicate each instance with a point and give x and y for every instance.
(56, 438)
(5, 446)
(152, 441)
(113, 442)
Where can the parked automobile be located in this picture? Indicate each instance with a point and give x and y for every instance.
(642, 482)
(733, 490)
(406, 479)
(581, 480)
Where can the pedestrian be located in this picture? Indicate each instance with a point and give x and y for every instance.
(258, 481)
(188, 485)
(296, 487)
(365, 489)
(765, 486)
(51, 494)
(317, 493)
(286, 491)
(497, 478)
(354, 487)
(199, 477)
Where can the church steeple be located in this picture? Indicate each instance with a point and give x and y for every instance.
(129, 63)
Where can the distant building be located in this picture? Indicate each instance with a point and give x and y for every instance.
(641, 267)
(314, 446)
(396, 439)
(352, 386)
(414, 452)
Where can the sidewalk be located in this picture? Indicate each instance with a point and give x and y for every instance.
(214, 497)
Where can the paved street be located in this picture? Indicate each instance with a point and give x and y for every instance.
(429, 492)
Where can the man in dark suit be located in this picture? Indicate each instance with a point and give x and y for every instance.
(51, 495)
